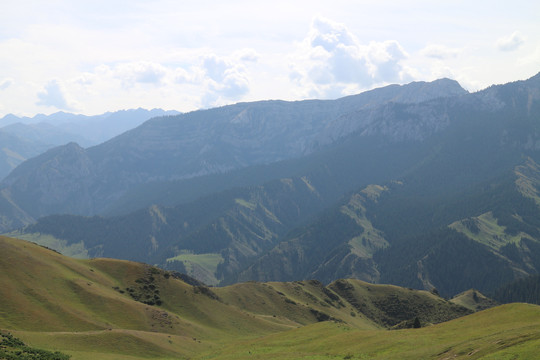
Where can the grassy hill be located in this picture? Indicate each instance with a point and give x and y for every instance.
(474, 300)
(505, 332)
(113, 309)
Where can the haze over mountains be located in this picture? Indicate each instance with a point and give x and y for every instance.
(422, 185)
(199, 143)
(24, 137)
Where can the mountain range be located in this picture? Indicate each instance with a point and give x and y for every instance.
(422, 185)
(23, 137)
(200, 143)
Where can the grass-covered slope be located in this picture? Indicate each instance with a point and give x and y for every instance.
(112, 309)
(474, 300)
(104, 306)
(12, 348)
(397, 307)
(297, 303)
(505, 332)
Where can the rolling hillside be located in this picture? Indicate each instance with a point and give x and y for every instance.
(113, 309)
(509, 331)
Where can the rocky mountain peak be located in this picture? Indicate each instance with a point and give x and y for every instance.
(423, 91)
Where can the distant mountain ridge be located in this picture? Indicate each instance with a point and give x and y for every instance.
(22, 138)
(193, 144)
(14, 150)
(60, 128)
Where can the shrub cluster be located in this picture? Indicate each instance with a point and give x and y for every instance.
(12, 348)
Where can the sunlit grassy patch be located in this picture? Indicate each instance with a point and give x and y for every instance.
(200, 266)
(487, 231)
(72, 250)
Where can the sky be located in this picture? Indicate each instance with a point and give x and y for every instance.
(90, 57)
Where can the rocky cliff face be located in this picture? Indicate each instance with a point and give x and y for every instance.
(414, 122)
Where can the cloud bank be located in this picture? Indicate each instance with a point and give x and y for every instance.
(331, 61)
(440, 52)
(210, 80)
(226, 79)
(511, 42)
(4, 84)
(167, 54)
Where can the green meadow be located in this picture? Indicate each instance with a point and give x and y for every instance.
(112, 309)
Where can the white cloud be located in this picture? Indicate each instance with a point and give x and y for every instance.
(53, 96)
(386, 58)
(247, 55)
(227, 79)
(140, 72)
(511, 42)
(440, 52)
(215, 67)
(183, 76)
(329, 35)
(332, 62)
(4, 84)
(211, 79)
(116, 55)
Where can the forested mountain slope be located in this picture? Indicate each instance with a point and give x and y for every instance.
(441, 193)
